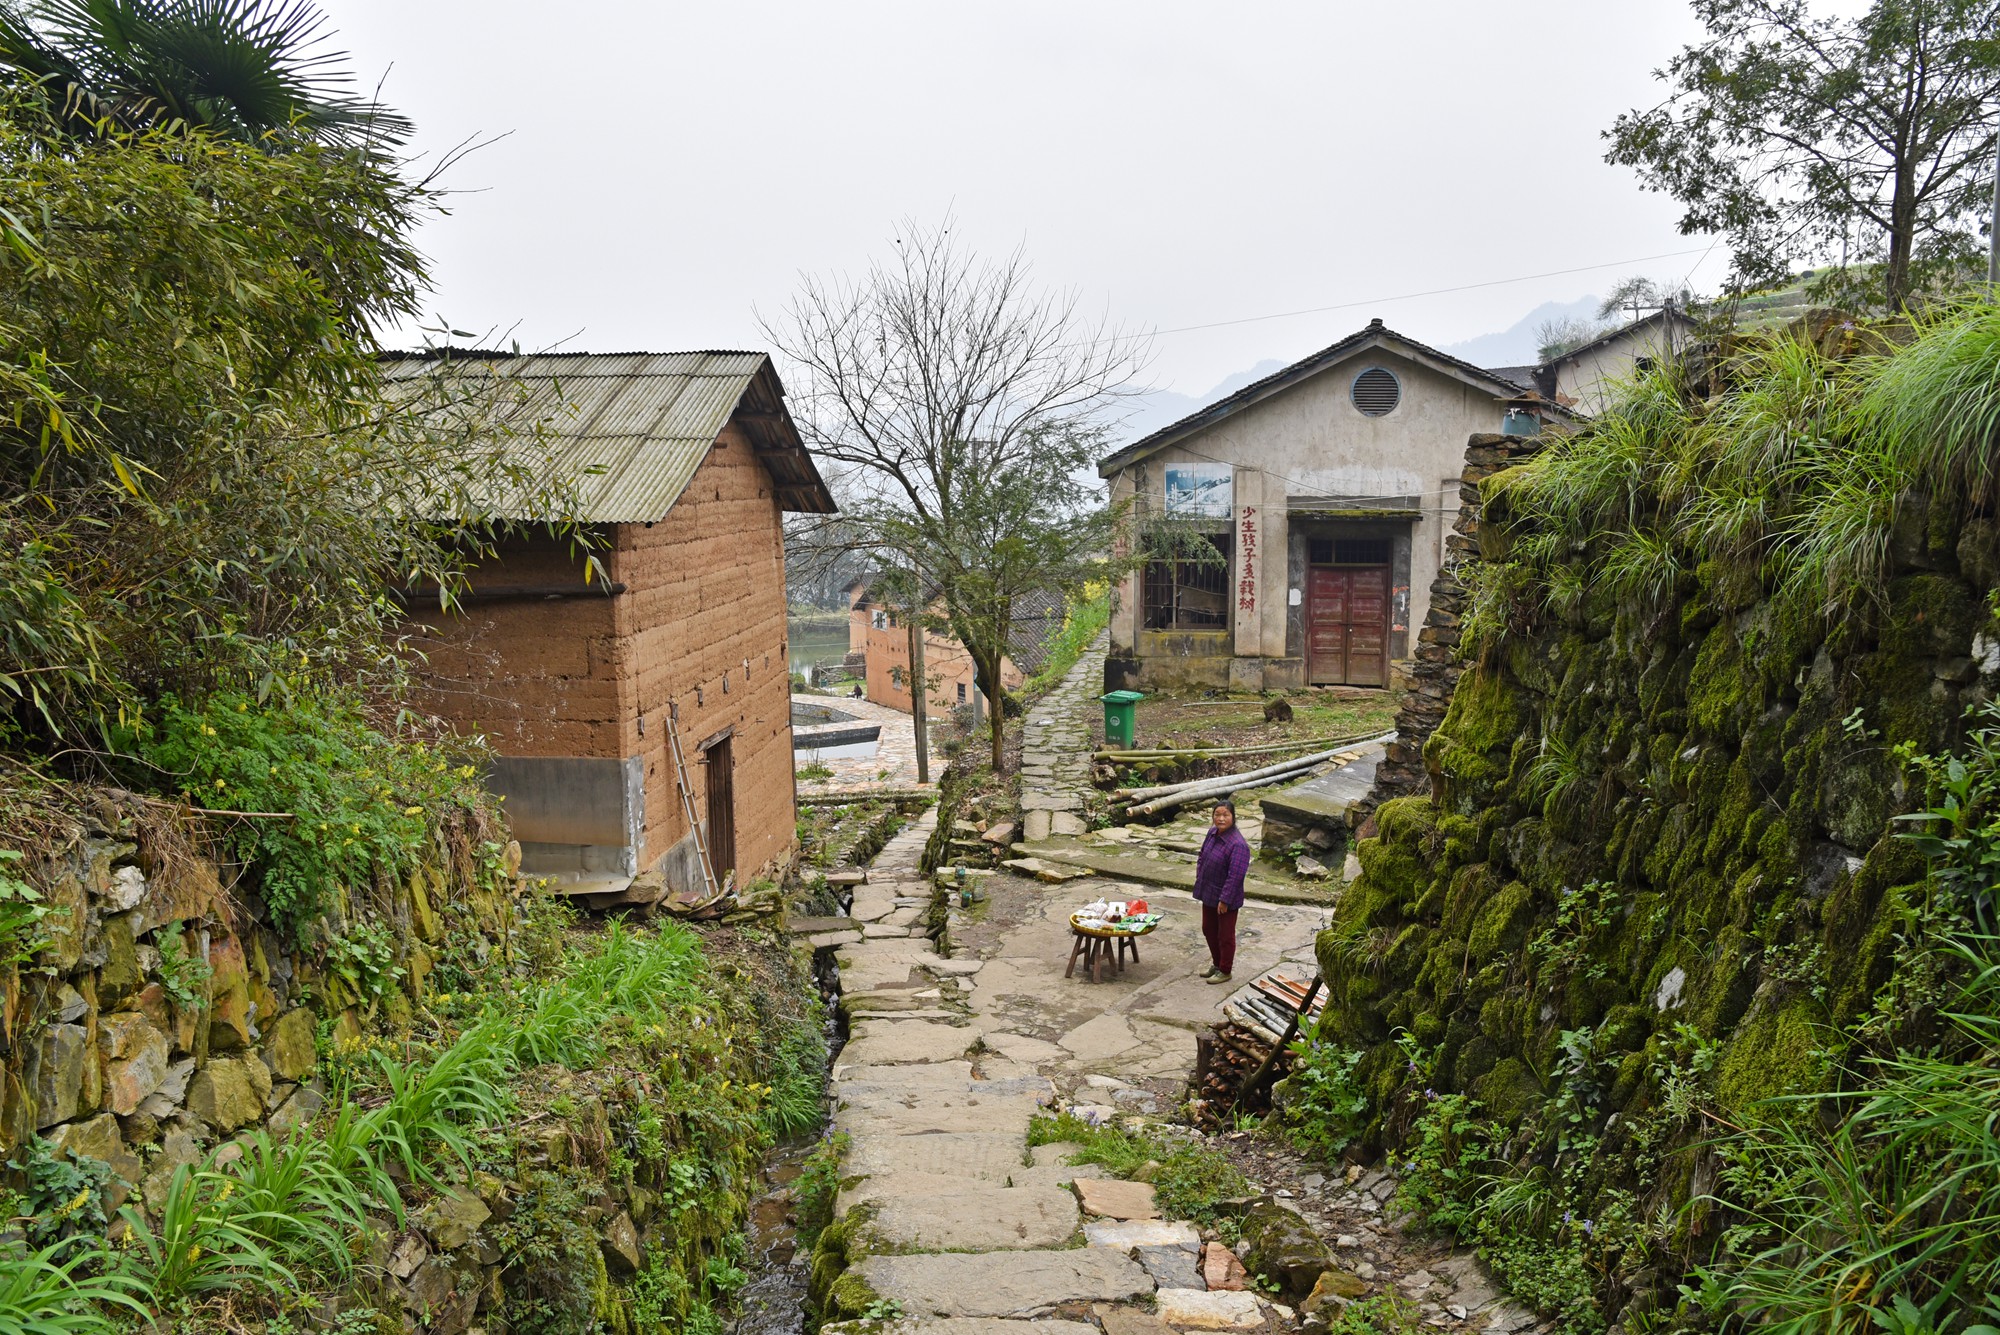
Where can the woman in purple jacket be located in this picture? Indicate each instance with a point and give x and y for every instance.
(1218, 884)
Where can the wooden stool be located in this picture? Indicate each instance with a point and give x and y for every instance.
(1102, 953)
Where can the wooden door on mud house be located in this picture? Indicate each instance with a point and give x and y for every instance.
(1347, 606)
(721, 806)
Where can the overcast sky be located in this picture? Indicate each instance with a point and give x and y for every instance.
(669, 167)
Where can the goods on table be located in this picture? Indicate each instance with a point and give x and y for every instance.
(1115, 916)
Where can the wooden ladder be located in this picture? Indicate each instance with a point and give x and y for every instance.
(688, 807)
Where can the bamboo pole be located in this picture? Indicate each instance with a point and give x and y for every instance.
(1296, 762)
(1210, 752)
(1226, 784)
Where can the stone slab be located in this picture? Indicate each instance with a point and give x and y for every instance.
(1021, 1048)
(1196, 1309)
(1004, 1283)
(936, 1073)
(1113, 1198)
(1125, 1321)
(1057, 1175)
(908, 1111)
(1052, 873)
(954, 968)
(1125, 1234)
(959, 1325)
(829, 940)
(1170, 1267)
(1323, 799)
(974, 1220)
(974, 1156)
(900, 1042)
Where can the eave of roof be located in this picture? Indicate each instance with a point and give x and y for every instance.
(1611, 335)
(634, 426)
(1375, 335)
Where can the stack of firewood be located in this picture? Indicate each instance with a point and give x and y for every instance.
(1224, 1058)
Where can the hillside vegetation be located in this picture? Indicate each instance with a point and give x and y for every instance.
(1678, 993)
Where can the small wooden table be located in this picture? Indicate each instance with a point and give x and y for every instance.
(1102, 949)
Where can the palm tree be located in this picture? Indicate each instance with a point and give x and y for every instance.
(242, 69)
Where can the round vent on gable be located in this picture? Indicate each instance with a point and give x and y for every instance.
(1377, 392)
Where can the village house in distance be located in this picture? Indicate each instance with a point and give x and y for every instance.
(878, 647)
(1582, 379)
(1329, 487)
(583, 688)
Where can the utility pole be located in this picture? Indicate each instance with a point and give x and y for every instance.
(1993, 220)
(919, 706)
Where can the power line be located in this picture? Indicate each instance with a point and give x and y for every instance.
(1411, 296)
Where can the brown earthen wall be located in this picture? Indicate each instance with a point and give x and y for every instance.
(704, 622)
(947, 666)
(536, 678)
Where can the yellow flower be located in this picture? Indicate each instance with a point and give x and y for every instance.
(413, 811)
(218, 785)
(242, 706)
(194, 1253)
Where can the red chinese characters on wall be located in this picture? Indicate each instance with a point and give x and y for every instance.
(1246, 544)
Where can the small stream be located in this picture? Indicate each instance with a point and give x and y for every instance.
(774, 1301)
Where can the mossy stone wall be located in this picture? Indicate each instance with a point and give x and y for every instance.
(1650, 817)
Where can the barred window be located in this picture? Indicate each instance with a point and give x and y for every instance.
(1188, 595)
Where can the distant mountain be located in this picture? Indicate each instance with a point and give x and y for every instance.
(1517, 346)
(1148, 412)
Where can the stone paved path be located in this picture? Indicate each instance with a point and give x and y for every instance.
(956, 1223)
(894, 764)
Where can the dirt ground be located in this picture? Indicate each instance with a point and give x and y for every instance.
(1194, 718)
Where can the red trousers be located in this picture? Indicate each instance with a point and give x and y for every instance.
(1219, 929)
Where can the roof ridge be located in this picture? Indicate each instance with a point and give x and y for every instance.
(1225, 406)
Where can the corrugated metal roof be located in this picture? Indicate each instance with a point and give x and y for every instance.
(629, 428)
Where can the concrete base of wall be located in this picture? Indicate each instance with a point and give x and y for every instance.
(680, 866)
(578, 862)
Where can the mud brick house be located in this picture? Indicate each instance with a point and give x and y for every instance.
(878, 642)
(684, 465)
(1328, 488)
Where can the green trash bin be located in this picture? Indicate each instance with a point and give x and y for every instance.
(1119, 710)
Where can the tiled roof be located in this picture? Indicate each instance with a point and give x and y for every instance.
(1375, 335)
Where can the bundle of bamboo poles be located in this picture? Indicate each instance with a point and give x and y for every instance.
(1166, 797)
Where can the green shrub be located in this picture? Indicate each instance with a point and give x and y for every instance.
(1189, 1179)
(21, 914)
(818, 1187)
(347, 803)
(1325, 1105)
(43, 1294)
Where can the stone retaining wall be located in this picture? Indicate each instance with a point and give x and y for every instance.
(161, 1018)
(1433, 670)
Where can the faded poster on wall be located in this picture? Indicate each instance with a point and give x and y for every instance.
(1199, 491)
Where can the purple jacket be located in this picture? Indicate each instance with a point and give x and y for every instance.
(1221, 866)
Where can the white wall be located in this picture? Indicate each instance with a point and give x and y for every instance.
(1310, 440)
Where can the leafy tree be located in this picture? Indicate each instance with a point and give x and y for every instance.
(201, 481)
(957, 405)
(241, 69)
(1804, 138)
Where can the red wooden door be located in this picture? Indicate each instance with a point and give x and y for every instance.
(1347, 626)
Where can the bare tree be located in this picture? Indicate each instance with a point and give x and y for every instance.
(960, 399)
